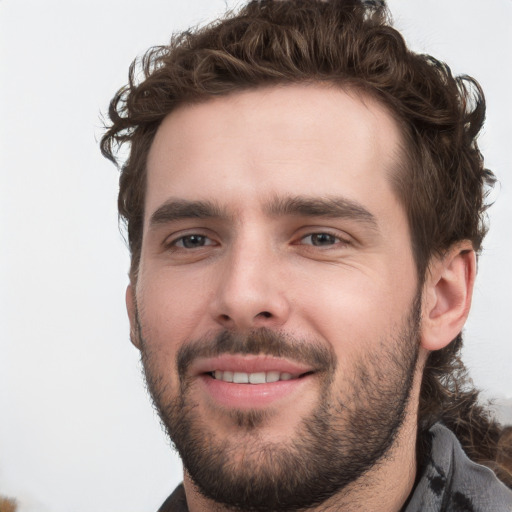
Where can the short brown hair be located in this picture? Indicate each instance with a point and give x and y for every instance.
(349, 43)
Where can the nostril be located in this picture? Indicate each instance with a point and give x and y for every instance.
(265, 314)
(224, 317)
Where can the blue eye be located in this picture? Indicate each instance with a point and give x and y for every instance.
(192, 241)
(321, 239)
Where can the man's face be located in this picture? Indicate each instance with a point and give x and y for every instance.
(276, 252)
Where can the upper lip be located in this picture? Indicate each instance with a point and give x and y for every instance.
(248, 364)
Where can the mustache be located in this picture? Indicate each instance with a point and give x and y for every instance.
(261, 341)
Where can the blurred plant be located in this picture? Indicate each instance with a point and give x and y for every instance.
(7, 505)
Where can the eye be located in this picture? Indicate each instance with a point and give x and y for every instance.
(192, 242)
(321, 239)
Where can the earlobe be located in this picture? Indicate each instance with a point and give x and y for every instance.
(447, 296)
(132, 315)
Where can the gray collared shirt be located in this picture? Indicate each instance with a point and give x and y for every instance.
(451, 482)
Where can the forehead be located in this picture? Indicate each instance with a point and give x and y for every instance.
(293, 140)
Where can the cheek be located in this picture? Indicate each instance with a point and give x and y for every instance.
(353, 309)
(171, 306)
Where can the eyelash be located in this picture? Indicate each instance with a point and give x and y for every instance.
(174, 243)
(181, 242)
(335, 238)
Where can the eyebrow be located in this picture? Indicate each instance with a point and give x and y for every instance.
(332, 207)
(179, 209)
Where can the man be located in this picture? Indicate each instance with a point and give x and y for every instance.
(304, 202)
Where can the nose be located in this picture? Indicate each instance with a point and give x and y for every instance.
(251, 289)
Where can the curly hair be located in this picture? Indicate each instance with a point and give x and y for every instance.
(441, 182)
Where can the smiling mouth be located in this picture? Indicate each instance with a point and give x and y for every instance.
(254, 378)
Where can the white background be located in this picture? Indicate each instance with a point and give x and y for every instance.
(77, 432)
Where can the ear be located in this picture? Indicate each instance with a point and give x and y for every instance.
(447, 295)
(131, 307)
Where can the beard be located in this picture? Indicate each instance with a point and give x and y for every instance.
(350, 429)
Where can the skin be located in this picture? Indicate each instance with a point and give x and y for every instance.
(258, 268)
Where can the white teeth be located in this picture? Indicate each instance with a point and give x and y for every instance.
(252, 378)
(272, 376)
(257, 378)
(241, 378)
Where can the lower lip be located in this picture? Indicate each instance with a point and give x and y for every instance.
(250, 396)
